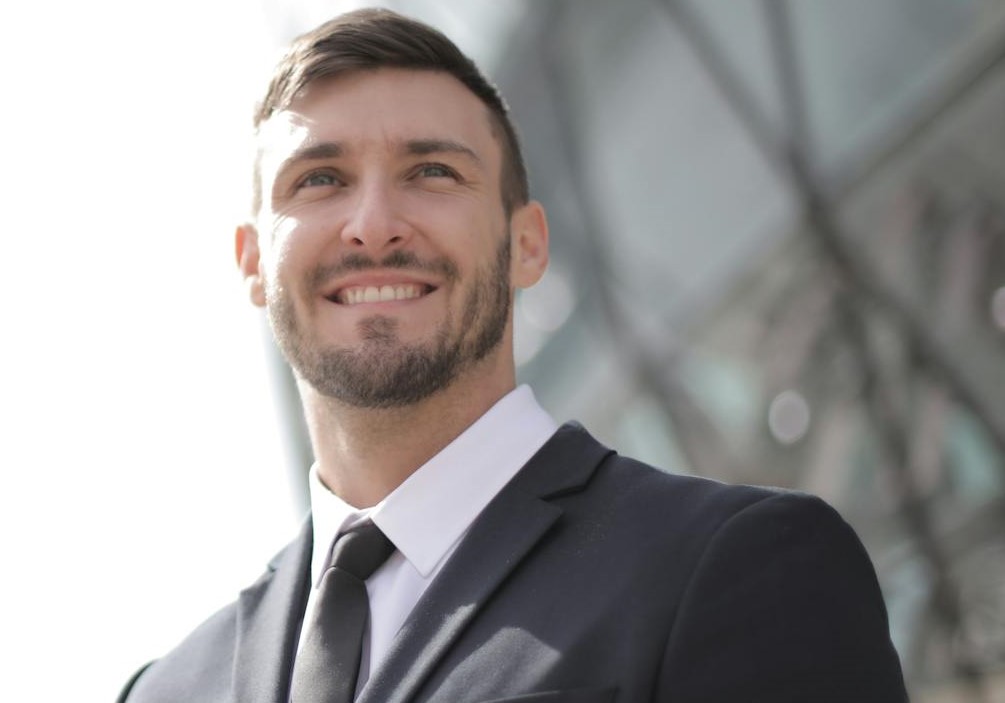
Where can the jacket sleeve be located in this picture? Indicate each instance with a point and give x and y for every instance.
(784, 606)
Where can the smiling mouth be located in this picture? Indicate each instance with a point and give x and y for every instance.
(354, 295)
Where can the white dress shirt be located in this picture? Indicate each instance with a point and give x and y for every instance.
(428, 514)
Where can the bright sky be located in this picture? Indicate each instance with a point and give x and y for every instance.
(144, 481)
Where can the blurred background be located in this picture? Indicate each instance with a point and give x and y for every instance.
(778, 258)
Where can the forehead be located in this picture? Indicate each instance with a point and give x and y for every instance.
(379, 110)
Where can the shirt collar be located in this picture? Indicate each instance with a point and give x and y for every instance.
(330, 516)
(432, 509)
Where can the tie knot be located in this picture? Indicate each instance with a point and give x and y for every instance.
(361, 550)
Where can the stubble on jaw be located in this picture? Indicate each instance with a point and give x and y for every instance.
(384, 372)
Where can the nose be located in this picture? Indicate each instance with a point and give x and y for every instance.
(375, 225)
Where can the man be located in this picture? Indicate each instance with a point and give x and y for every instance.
(527, 562)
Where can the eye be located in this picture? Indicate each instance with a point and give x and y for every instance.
(318, 179)
(436, 171)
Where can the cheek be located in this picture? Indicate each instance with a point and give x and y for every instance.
(313, 226)
(461, 210)
(294, 247)
(276, 255)
(464, 231)
(284, 240)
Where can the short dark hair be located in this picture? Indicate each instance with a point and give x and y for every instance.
(374, 38)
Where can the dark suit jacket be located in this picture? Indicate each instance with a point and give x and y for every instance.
(591, 577)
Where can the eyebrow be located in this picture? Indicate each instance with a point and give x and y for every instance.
(426, 147)
(312, 152)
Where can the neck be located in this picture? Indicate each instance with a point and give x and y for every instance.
(363, 454)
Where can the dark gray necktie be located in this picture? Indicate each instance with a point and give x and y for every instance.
(327, 666)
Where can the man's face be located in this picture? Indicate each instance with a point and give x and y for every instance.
(384, 247)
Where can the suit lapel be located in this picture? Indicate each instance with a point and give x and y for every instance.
(268, 619)
(502, 536)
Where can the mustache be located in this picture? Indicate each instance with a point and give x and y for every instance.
(404, 260)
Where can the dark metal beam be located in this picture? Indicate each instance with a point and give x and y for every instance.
(931, 350)
(700, 441)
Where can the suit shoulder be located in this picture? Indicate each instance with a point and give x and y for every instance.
(200, 668)
(601, 470)
(645, 487)
(628, 496)
(815, 625)
(199, 657)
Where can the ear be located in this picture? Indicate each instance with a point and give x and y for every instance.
(249, 262)
(529, 230)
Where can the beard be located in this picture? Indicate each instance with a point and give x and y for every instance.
(384, 372)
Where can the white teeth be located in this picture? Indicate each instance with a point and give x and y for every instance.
(374, 294)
